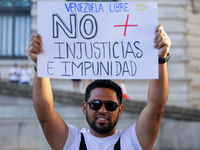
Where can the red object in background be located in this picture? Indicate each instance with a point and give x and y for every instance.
(125, 96)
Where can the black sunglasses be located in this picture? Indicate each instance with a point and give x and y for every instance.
(97, 104)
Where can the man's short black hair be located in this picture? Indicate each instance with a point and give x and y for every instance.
(104, 84)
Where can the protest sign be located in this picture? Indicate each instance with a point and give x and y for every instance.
(98, 40)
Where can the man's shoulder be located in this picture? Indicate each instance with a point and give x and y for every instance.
(129, 132)
(129, 129)
(74, 131)
(71, 127)
(73, 139)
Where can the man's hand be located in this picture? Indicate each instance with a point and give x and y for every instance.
(162, 42)
(35, 47)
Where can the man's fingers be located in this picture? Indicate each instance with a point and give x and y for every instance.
(35, 34)
(161, 41)
(159, 27)
(35, 46)
(33, 49)
(157, 35)
(160, 44)
(36, 37)
(161, 38)
(35, 43)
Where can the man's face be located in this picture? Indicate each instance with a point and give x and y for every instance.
(102, 122)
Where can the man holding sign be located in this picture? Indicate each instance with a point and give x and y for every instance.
(83, 46)
(102, 108)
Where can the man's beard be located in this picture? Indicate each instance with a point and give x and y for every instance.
(103, 129)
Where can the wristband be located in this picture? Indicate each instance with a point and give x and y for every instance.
(164, 60)
(35, 69)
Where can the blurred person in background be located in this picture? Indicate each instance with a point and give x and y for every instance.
(14, 73)
(76, 85)
(85, 83)
(124, 89)
(25, 74)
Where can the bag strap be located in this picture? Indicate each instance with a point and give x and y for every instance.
(117, 145)
(83, 145)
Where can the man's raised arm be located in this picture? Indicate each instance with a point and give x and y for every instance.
(148, 123)
(54, 128)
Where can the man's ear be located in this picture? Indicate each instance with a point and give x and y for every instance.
(121, 109)
(84, 105)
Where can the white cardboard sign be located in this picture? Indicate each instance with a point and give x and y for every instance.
(98, 40)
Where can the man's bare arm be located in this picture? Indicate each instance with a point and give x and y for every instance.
(54, 128)
(148, 123)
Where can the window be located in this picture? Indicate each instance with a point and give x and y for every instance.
(15, 22)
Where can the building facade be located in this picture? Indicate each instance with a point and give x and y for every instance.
(180, 19)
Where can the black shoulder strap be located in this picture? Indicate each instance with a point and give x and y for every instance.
(83, 145)
(117, 145)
